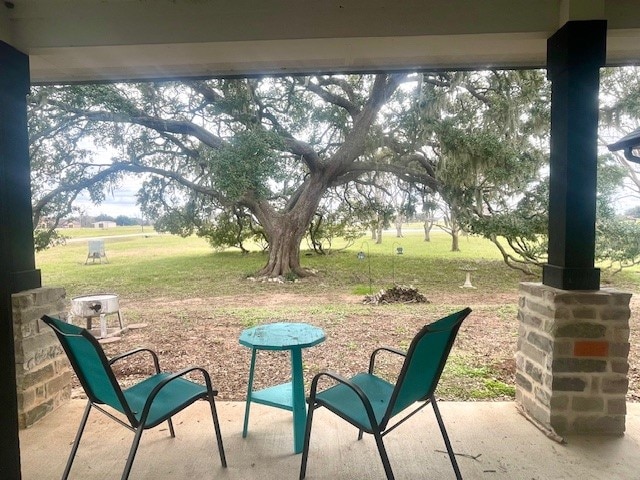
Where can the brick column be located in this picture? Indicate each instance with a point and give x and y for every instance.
(572, 358)
(43, 374)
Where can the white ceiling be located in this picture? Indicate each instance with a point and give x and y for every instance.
(88, 40)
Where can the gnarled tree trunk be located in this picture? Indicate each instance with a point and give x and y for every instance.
(284, 251)
(285, 231)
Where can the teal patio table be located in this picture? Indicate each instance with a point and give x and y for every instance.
(288, 396)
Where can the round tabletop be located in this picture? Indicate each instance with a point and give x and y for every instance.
(94, 298)
(282, 336)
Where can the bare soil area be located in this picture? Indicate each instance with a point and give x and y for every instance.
(204, 332)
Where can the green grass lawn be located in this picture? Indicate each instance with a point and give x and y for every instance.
(183, 267)
(180, 270)
(178, 267)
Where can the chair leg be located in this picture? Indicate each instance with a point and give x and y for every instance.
(447, 443)
(360, 432)
(216, 425)
(171, 430)
(76, 442)
(307, 438)
(132, 453)
(383, 455)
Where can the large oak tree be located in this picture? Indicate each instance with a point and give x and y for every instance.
(232, 158)
(260, 151)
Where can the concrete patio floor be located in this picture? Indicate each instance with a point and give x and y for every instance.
(492, 440)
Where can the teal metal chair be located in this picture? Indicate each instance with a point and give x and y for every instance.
(369, 403)
(144, 405)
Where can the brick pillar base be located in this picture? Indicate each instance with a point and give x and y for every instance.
(43, 375)
(572, 359)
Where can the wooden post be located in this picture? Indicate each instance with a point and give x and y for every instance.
(17, 259)
(575, 54)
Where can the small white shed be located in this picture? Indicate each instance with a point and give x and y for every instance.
(104, 224)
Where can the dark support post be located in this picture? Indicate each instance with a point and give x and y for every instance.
(17, 261)
(575, 54)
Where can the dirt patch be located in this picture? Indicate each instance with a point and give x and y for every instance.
(205, 331)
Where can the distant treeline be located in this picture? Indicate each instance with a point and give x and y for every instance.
(120, 220)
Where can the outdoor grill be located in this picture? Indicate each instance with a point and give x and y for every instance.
(97, 306)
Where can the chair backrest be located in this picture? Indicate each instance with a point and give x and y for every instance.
(424, 362)
(90, 365)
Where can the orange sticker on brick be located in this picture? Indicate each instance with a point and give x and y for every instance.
(591, 349)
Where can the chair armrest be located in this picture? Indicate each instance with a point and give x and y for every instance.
(348, 383)
(372, 360)
(156, 362)
(337, 378)
(165, 381)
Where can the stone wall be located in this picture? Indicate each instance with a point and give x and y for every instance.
(572, 358)
(43, 374)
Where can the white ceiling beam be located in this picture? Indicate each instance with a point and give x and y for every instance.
(288, 56)
(89, 40)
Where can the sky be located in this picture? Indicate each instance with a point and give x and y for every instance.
(119, 202)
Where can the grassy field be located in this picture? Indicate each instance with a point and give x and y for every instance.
(183, 267)
(185, 282)
(170, 266)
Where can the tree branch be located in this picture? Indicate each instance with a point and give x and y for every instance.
(154, 123)
(332, 98)
(408, 175)
(354, 142)
(295, 146)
